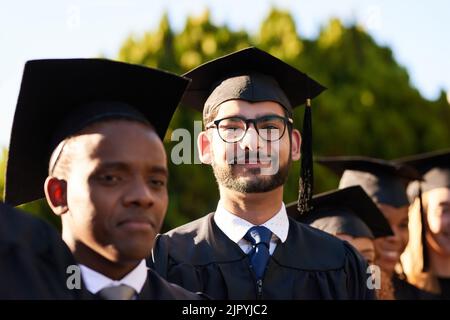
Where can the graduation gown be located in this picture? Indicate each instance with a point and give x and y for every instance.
(403, 290)
(33, 259)
(444, 283)
(156, 288)
(310, 264)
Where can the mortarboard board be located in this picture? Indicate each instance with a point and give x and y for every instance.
(384, 181)
(59, 97)
(254, 75)
(434, 166)
(250, 74)
(349, 211)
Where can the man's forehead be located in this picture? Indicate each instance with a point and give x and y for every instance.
(253, 109)
(116, 139)
(121, 141)
(112, 132)
(112, 125)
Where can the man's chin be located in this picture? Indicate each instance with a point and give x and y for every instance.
(246, 173)
(252, 179)
(253, 185)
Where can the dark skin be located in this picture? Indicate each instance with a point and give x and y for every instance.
(110, 190)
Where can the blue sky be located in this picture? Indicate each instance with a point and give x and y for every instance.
(418, 32)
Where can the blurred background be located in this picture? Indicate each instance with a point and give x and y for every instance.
(386, 66)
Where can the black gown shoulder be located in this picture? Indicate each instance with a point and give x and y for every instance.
(403, 290)
(156, 288)
(34, 259)
(444, 284)
(310, 264)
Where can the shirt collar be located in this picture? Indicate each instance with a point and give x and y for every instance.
(235, 227)
(96, 281)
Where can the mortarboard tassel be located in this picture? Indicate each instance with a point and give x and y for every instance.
(423, 232)
(306, 171)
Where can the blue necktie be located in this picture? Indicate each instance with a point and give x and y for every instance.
(259, 237)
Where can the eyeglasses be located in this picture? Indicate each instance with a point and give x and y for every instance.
(232, 129)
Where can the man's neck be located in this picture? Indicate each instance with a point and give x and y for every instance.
(97, 262)
(256, 208)
(439, 263)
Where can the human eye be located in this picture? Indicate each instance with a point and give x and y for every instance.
(232, 124)
(157, 182)
(270, 123)
(108, 178)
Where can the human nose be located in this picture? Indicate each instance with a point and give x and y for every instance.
(251, 139)
(139, 194)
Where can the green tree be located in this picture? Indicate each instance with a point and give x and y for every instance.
(370, 108)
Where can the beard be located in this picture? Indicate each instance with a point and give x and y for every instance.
(250, 180)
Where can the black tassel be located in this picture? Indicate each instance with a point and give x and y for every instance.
(306, 171)
(423, 233)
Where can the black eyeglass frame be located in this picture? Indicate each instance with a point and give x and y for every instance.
(287, 121)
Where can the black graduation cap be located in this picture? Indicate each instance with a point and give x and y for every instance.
(434, 166)
(349, 211)
(59, 97)
(254, 75)
(435, 169)
(384, 181)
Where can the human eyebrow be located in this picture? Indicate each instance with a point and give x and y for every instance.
(159, 170)
(269, 115)
(112, 166)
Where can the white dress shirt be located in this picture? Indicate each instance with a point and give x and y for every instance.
(235, 227)
(96, 281)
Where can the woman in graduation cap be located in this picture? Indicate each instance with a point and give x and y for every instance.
(426, 260)
(249, 248)
(352, 216)
(385, 182)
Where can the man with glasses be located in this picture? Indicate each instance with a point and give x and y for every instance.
(249, 248)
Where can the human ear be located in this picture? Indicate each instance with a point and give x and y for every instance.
(56, 194)
(204, 147)
(296, 142)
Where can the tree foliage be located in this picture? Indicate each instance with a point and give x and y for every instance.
(370, 108)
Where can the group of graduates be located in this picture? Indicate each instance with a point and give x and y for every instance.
(87, 135)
